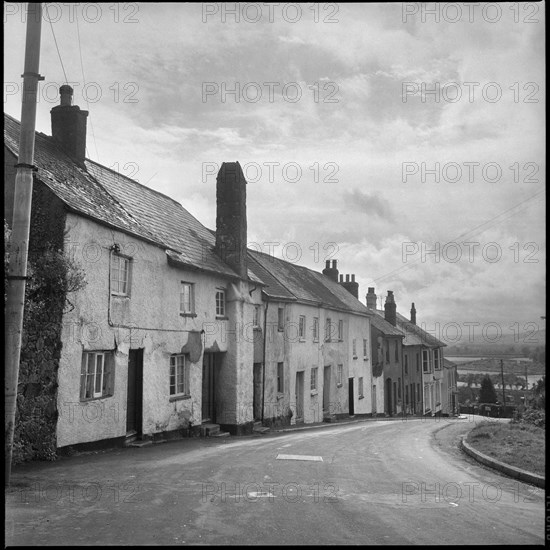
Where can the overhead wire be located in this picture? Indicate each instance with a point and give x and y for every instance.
(84, 84)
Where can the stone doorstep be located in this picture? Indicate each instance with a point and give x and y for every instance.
(140, 443)
(259, 429)
(209, 430)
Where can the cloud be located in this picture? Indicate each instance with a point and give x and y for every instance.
(368, 203)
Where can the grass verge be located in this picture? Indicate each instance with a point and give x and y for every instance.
(520, 445)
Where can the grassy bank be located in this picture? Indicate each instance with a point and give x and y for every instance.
(521, 445)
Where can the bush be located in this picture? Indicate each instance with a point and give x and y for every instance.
(535, 417)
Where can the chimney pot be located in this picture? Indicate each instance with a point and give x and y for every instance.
(353, 278)
(413, 314)
(347, 278)
(334, 266)
(66, 95)
(341, 278)
(327, 264)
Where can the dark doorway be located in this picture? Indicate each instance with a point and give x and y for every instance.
(350, 393)
(208, 410)
(257, 391)
(326, 391)
(388, 399)
(134, 399)
(299, 391)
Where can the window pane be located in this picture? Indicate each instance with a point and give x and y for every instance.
(98, 374)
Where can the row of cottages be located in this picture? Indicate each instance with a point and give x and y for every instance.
(417, 380)
(178, 326)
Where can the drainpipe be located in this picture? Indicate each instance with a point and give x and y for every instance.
(404, 404)
(263, 366)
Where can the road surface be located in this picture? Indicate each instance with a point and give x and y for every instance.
(373, 482)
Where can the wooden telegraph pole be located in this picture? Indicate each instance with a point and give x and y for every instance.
(17, 272)
(503, 386)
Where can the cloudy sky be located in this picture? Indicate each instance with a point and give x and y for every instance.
(373, 134)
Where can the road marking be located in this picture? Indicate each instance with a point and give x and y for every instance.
(300, 457)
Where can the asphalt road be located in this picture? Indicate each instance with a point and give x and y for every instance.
(374, 482)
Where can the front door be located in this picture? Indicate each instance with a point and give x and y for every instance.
(257, 391)
(326, 391)
(208, 387)
(350, 394)
(299, 390)
(388, 396)
(134, 398)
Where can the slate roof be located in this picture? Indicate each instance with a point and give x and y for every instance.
(122, 203)
(97, 192)
(378, 321)
(295, 282)
(416, 336)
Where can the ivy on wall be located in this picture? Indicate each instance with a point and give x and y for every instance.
(53, 277)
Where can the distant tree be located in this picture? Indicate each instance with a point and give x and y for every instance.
(470, 379)
(487, 393)
(539, 393)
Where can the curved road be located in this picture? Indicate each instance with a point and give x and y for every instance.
(379, 482)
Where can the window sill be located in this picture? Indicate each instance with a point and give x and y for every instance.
(88, 399)
(280, 395)
(279, 329)
(314, 392)
(178, 398)
(361, 397)
(355, 357)
(365, 358)
(222, 318)
(339, 385)
(188, 314)
(316, 340)
(302, 340)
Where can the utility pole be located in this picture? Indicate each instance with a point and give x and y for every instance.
(503, 386)
(526, 386)
(17, 271)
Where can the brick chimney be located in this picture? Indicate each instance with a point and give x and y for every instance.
(390, 309)
(331, 272)
(371, 298)
(351, 286)
(69, 125)
(413, 314)
(231, 217)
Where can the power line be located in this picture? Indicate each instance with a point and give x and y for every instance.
(470, 233)
(84, 83)
(56, 46)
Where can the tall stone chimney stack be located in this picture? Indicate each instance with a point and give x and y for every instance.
(390, 309)
(351, 286)
(69, 125)
(331, 272)
(413, 314)
(371, 298)
(231, 226)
